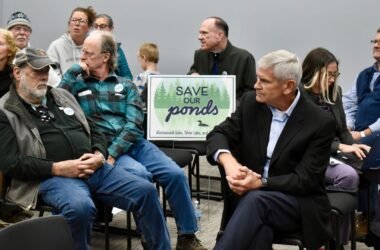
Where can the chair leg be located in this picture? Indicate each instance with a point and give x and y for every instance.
(106, 228)
(369, 209)
(196, 171)
(41, 213)
(164, 205)
(327, 246)
(337, 231)
(353, 231)
(129, 233)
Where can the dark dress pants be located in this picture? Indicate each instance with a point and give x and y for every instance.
(257, 216)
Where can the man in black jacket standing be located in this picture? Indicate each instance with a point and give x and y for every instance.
(217, 56)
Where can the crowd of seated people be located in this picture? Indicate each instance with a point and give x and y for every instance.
(71, 126)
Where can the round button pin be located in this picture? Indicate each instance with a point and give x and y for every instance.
(119, 87)
(68, 111)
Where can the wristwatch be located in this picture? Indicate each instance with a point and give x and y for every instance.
(264, 182)
(103, 158)
(362, 134)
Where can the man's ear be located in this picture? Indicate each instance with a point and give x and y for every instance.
(289, 86)
(220, 35)
(16, 73)
(107, 57)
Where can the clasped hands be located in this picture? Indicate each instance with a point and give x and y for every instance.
(82, 167)
(242, 179)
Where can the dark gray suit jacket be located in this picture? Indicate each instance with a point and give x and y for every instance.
(299, 160)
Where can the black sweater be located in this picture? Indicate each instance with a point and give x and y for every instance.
(5, 80)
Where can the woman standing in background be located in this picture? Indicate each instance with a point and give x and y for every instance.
(66, 50)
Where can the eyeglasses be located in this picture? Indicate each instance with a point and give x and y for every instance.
(101, 26)
(335, 74)
(375, 41)
(87, 54)
(91, 54)
(78, 20)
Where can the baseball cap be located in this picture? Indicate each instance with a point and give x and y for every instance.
(18, 18)
(35, 58)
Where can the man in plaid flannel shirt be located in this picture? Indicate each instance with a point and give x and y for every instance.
(114, 104)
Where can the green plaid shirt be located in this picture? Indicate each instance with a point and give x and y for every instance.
(114, 104)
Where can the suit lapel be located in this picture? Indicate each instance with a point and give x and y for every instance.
(265, 120)
(291, 129)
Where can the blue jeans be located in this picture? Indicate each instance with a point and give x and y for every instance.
(73, 198)
(149, 162)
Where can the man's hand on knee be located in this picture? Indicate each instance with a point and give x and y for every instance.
(70, 169)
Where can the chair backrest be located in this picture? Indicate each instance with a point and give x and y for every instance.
(45, 233)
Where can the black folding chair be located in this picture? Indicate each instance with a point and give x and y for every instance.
(45, 233)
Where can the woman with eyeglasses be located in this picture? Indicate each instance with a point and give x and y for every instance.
(319, 84)
(66, 50)
(8, 51)
(105, 22)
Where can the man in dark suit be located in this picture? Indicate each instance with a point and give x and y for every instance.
(281, 148)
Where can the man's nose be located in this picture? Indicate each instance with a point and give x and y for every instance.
(45, 77)
(256, 84)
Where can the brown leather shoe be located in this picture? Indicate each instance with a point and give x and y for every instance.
(361, 226)
(189, 242)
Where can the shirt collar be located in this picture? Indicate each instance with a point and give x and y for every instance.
(223, 53)
(281, 115)
(112, 77)
(375, 67)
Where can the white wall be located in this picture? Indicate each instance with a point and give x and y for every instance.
(342, 26)
(1, 8)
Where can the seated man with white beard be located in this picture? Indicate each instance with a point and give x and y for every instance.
(51, 151)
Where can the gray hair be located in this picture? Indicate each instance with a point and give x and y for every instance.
(285, 65)
(107, 45)
(108, 17)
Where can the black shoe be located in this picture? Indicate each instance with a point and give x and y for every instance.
(189, 242)
(332, 244)
(372, 240)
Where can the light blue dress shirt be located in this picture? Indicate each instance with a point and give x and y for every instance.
(279, 120)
